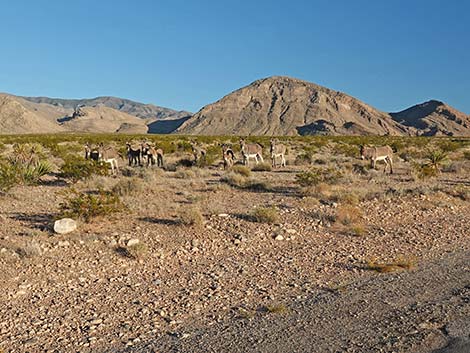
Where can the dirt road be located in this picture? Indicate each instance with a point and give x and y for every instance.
(426, 310)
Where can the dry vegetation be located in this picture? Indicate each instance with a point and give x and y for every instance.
(159, 249)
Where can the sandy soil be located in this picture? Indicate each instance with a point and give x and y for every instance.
(219, 285)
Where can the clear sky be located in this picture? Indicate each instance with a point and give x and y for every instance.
(184, 54)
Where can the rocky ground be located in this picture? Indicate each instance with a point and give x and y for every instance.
(300, 283)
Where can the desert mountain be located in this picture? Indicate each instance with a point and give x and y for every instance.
(101, 119)
(141, 110)
(18, 116)
(288, 106)
(434, 118)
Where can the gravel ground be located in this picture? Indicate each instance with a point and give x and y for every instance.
(77, 293)
(414, 311)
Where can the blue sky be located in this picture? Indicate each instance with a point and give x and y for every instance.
(185, 54)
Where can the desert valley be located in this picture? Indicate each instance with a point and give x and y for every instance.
(198, 240)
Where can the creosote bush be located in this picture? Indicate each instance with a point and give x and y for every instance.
(315, 176)
(77, 168)
(87, 206)
(265, 215)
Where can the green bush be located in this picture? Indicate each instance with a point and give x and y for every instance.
(315, 176)
(87, 206)
(77, 168)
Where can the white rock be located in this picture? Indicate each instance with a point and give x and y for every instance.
(63, 243)
(223, 215)
(65, 225)
(133, 241)
(279, 237)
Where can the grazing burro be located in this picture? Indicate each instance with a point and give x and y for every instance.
(104, 154)
(277, 150)
(199, 153)
(133, 154)
(152, 154)
(251, 150)
(374, 154)
(228, 156)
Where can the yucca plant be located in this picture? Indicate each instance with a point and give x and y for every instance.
(434, 160)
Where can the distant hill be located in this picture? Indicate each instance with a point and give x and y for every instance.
(18, 116)
(276, 105)
(288, 106)
(141, 110)
(434, 118)
(101, 119)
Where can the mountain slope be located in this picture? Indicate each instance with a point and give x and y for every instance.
(141, 110)
(18, 116)
(434, 118)
(288, 106)
(101, 119)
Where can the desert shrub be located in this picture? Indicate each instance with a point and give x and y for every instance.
(303, 158)
(128, 186)
(29, 250)
(432, 165)
(185, 162)
(396, 265)
(449, 146)
(315, 176)
(184, 174)
(87, 206)
(13, 172)
(275, 309)
(466, 155)
(349, 150)
(255, 185)
(262, 167)
(265, 215)
(77, 168)
(454, 167)
(242, 170)
(233, 179)
(134, 251)
(348, 215)
(191, 216)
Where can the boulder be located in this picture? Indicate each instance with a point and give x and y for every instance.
(65, 225)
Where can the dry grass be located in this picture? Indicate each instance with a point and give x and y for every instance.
(242, 170)
(392, 266)
(276, 309)
(234, 179)
(349, 215)
(265, 215)
(128, 186)
(29, 250)
(191, 216)
(262, 167)
(134, 251)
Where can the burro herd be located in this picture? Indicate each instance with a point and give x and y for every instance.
(146, 154)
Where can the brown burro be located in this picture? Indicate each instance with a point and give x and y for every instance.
(374, 154)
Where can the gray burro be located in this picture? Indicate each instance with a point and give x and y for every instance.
(65, 225)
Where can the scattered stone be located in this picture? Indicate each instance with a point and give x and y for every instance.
(63, 243)
(279, 237)
(65, 225)
(133, 241)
